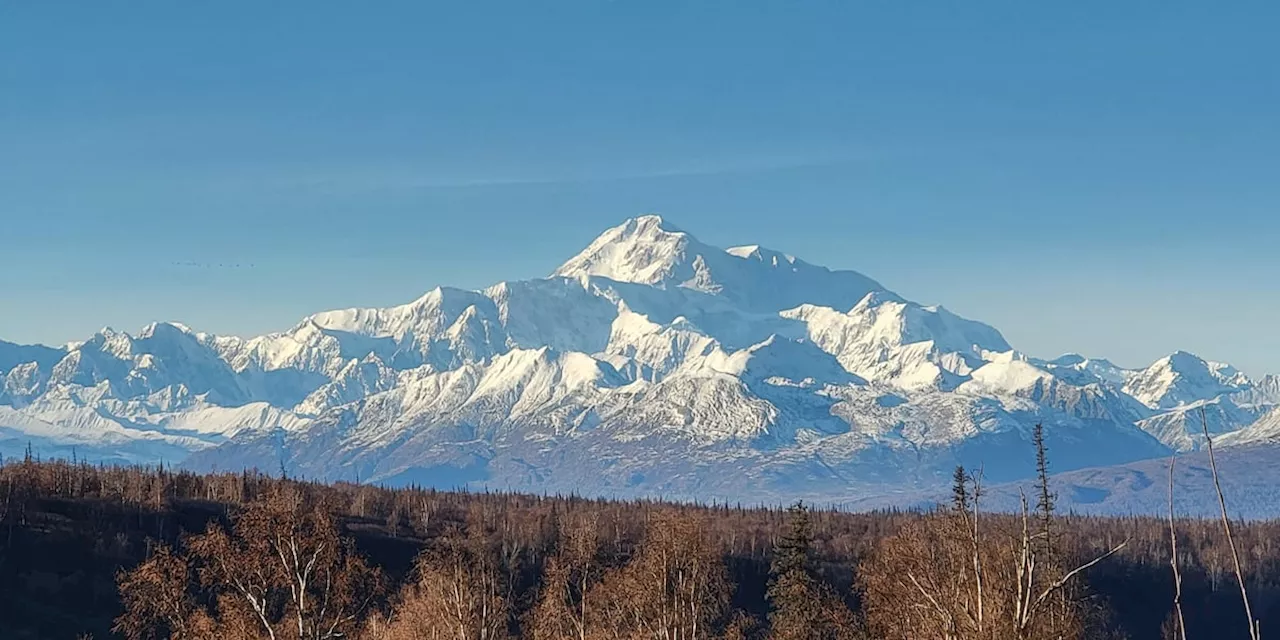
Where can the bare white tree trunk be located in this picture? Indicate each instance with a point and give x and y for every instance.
(1173, 558)
(1254, 633)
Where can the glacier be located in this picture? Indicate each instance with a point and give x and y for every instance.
(650, 364)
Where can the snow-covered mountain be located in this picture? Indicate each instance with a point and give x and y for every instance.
(649, 364)
(1182, 379)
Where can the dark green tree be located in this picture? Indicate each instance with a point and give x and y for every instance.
(795, 549)
(801, 606)
(960, 490)
(1045, 498)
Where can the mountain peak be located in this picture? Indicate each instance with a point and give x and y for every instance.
(651, 222)
(160, 329)
(877, 298)
(1185, 363)
(1181, 378)
(644, 250)
(650, 250)
(650, 346)
(1182, 359)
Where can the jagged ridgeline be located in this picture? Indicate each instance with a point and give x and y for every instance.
(650, 364)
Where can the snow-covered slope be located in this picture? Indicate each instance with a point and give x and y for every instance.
(1183, 378)
(651, 251)
(649, 364)
(12, 355)
(886, 338)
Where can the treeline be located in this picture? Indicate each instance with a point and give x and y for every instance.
(144, 552)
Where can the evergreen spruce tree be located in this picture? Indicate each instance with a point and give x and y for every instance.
(792, 589)
(794, 550)
(801, 606)
(1045, 499)
(960, 491)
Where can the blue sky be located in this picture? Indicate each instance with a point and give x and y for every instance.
(1096, 177)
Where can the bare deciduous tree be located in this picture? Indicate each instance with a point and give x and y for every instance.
(563, 610)
(156, 597)
(458, 594)
(675, 588)
(942, 576)
(1179, 622)
(282, 572)
(1254, 632)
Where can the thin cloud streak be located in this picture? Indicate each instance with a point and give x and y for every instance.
(361, 180)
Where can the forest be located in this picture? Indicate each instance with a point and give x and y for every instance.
(92, 551)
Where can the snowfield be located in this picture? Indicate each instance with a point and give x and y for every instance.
(649, 364)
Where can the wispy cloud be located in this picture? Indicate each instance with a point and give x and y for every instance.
(189, 264)
(375, 177)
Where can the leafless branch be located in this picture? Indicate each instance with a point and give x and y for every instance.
(1254, 633)
(1173, 557)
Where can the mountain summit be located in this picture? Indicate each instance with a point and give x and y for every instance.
(643, 250)
(650, 363)
(651, 251)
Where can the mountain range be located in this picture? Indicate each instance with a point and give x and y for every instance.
(650, 364)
